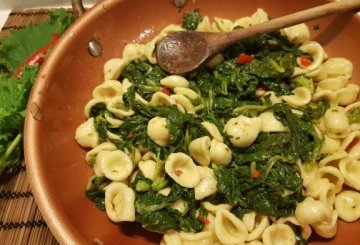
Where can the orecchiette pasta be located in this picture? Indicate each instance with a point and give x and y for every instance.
(158, 131)
(297, 34)
(184, 102)
(260, 224)
(180, 205)
(186, 92)
(271, 124)
(243, 130)
(201, 238)
(91, 104)
(91, 155)
(348, 94)
(318, 54)
(148, 168)
(174, 81)
(220, 153)
(116, 165)
(300, 97)
(98, 170)
(207, 184)
(171, 238)
(181, 168)
(117, 108)
(327, 229)
(347, 204)
(199, 150)
(113, 68)
(228, 228)
(330, 145)
(161, 99)
(338, 67)
(119, 202)
(108, 90)
(311, 211)
(213, 130)
(279, 234)
(214, 208)
(350, 169)
(332, 83)
(333, 175)
(292, 221)
(336, 123)
(273, 98)
(133, 51)
(351, 144)
(86, 134)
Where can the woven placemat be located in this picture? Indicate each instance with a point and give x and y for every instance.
(20, 219)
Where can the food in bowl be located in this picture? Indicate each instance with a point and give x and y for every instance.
(258, 146)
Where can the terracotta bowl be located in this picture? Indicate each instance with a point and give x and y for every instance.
(56, 163)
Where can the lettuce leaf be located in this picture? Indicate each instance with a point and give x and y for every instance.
(14, 92)
(14, 50)
(13, 100)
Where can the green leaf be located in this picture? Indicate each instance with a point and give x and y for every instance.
(191, 20)
(23, 43)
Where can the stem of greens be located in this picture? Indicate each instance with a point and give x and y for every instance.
(9, 151)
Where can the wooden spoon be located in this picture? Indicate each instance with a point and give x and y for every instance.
(184, 51)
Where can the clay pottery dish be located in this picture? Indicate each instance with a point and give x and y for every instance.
(56, 164)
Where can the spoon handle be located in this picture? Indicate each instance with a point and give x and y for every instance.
(286, 21)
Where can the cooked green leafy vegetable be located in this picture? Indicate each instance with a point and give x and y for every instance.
(191, 20)
(354, 116)
(266, 194)
(14, 92)
(155, 211)
(96, 193)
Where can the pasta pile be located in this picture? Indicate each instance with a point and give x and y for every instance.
(330, 185)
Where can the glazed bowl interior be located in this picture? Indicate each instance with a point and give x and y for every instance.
(56, 163)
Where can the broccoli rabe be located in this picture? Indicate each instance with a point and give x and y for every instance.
(354, 116)
(302, 81)
(156, 212)
(191, 20)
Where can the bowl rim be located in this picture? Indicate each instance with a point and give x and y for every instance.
(58, 223)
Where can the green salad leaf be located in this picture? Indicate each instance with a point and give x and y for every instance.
(14, 50)
(13, 100)
(14, 92)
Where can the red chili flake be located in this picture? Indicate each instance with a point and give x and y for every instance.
(353, 143)
(130, 135)
(256, 174)
(165, 90)
(204, 219)
(178, 172)
(305, 61)
(244, 59)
